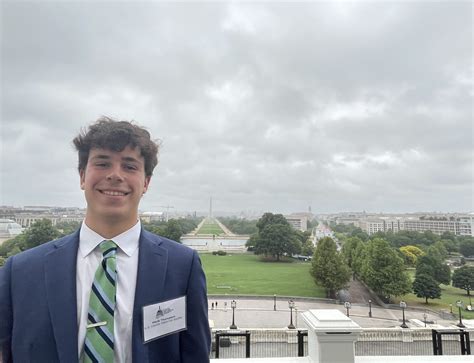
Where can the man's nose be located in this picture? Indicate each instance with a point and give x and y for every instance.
(115, 173)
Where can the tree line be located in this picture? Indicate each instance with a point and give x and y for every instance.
(381, 261)
(43, 231)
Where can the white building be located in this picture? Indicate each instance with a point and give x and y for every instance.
(459, 225)
(9, 229)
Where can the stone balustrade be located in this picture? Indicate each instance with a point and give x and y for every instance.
(332, 336)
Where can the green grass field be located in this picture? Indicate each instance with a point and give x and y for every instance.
(246, 274)
(210, 228)
(449, 295)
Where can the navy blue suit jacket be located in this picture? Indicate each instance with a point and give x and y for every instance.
(38, 312)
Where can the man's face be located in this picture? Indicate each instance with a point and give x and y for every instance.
(114, 183)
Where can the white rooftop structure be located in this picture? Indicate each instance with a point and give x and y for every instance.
(9, 229)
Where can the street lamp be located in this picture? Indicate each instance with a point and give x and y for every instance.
(347, 305)
(424, 318)
(459, 305)
(291, 305)
(274, 302)
(233, 305)
(403, 305)
(370, 308)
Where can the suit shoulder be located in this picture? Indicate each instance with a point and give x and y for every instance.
(168, 243)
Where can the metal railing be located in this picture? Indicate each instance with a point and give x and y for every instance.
(381, 342)
(268, 343)
(259, 343)
(438, 340)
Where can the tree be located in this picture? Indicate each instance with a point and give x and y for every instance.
(40, 232)
(463, 278)
(358, 232)
(432, 265)
(276, 240)
(448, 236)
(67, 227)
(239, 225)
(358, 258)
(270, 219)
(328, 267)
(450, 245)
(466, 247)
(173, 230)
(307, 248)
(427, 287)
(275, 237)
(349, 249)
(12, 244)
(411, 254)
(383, 270)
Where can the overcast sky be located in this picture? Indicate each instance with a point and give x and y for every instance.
(265, 106)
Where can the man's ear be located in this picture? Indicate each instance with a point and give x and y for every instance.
(147, 184)
(82, 175)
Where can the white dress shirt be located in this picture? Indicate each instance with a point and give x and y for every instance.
(88, 259)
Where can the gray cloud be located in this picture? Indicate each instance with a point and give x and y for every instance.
(265, 106)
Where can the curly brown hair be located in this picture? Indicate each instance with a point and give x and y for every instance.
(110, 134)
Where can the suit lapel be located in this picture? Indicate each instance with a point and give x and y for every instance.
(60, 277)
(152, 263)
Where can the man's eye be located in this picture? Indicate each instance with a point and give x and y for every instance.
(130, 167)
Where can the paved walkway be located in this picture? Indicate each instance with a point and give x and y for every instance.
(358, 292)
(260, 313)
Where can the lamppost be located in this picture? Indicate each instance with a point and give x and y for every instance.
(451, 308)
(233, 305)
(291, 305)
(347, 305)
(459, 305)
(424, 318)
(274, 302)
(370, 308)
(403, 305)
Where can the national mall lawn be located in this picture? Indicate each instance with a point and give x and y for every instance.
(245, 274)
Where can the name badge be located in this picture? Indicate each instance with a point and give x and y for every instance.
(164, 318)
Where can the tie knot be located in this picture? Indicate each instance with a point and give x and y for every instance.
(108, 248)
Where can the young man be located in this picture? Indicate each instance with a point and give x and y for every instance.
(111, 292)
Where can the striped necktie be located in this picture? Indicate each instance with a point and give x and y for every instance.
(99, 343)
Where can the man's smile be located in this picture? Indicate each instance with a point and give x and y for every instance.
(114, 193)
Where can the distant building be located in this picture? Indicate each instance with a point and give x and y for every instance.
(28, 215)
(9, 229)
(299, 221)
(371, 225)
(152, 216)
(459, 225)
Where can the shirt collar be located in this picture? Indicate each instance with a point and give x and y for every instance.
(126, 241)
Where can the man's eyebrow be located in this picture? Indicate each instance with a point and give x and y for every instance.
(101, 156)
(129, 158)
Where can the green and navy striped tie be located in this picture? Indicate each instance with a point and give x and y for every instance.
(99, 343)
